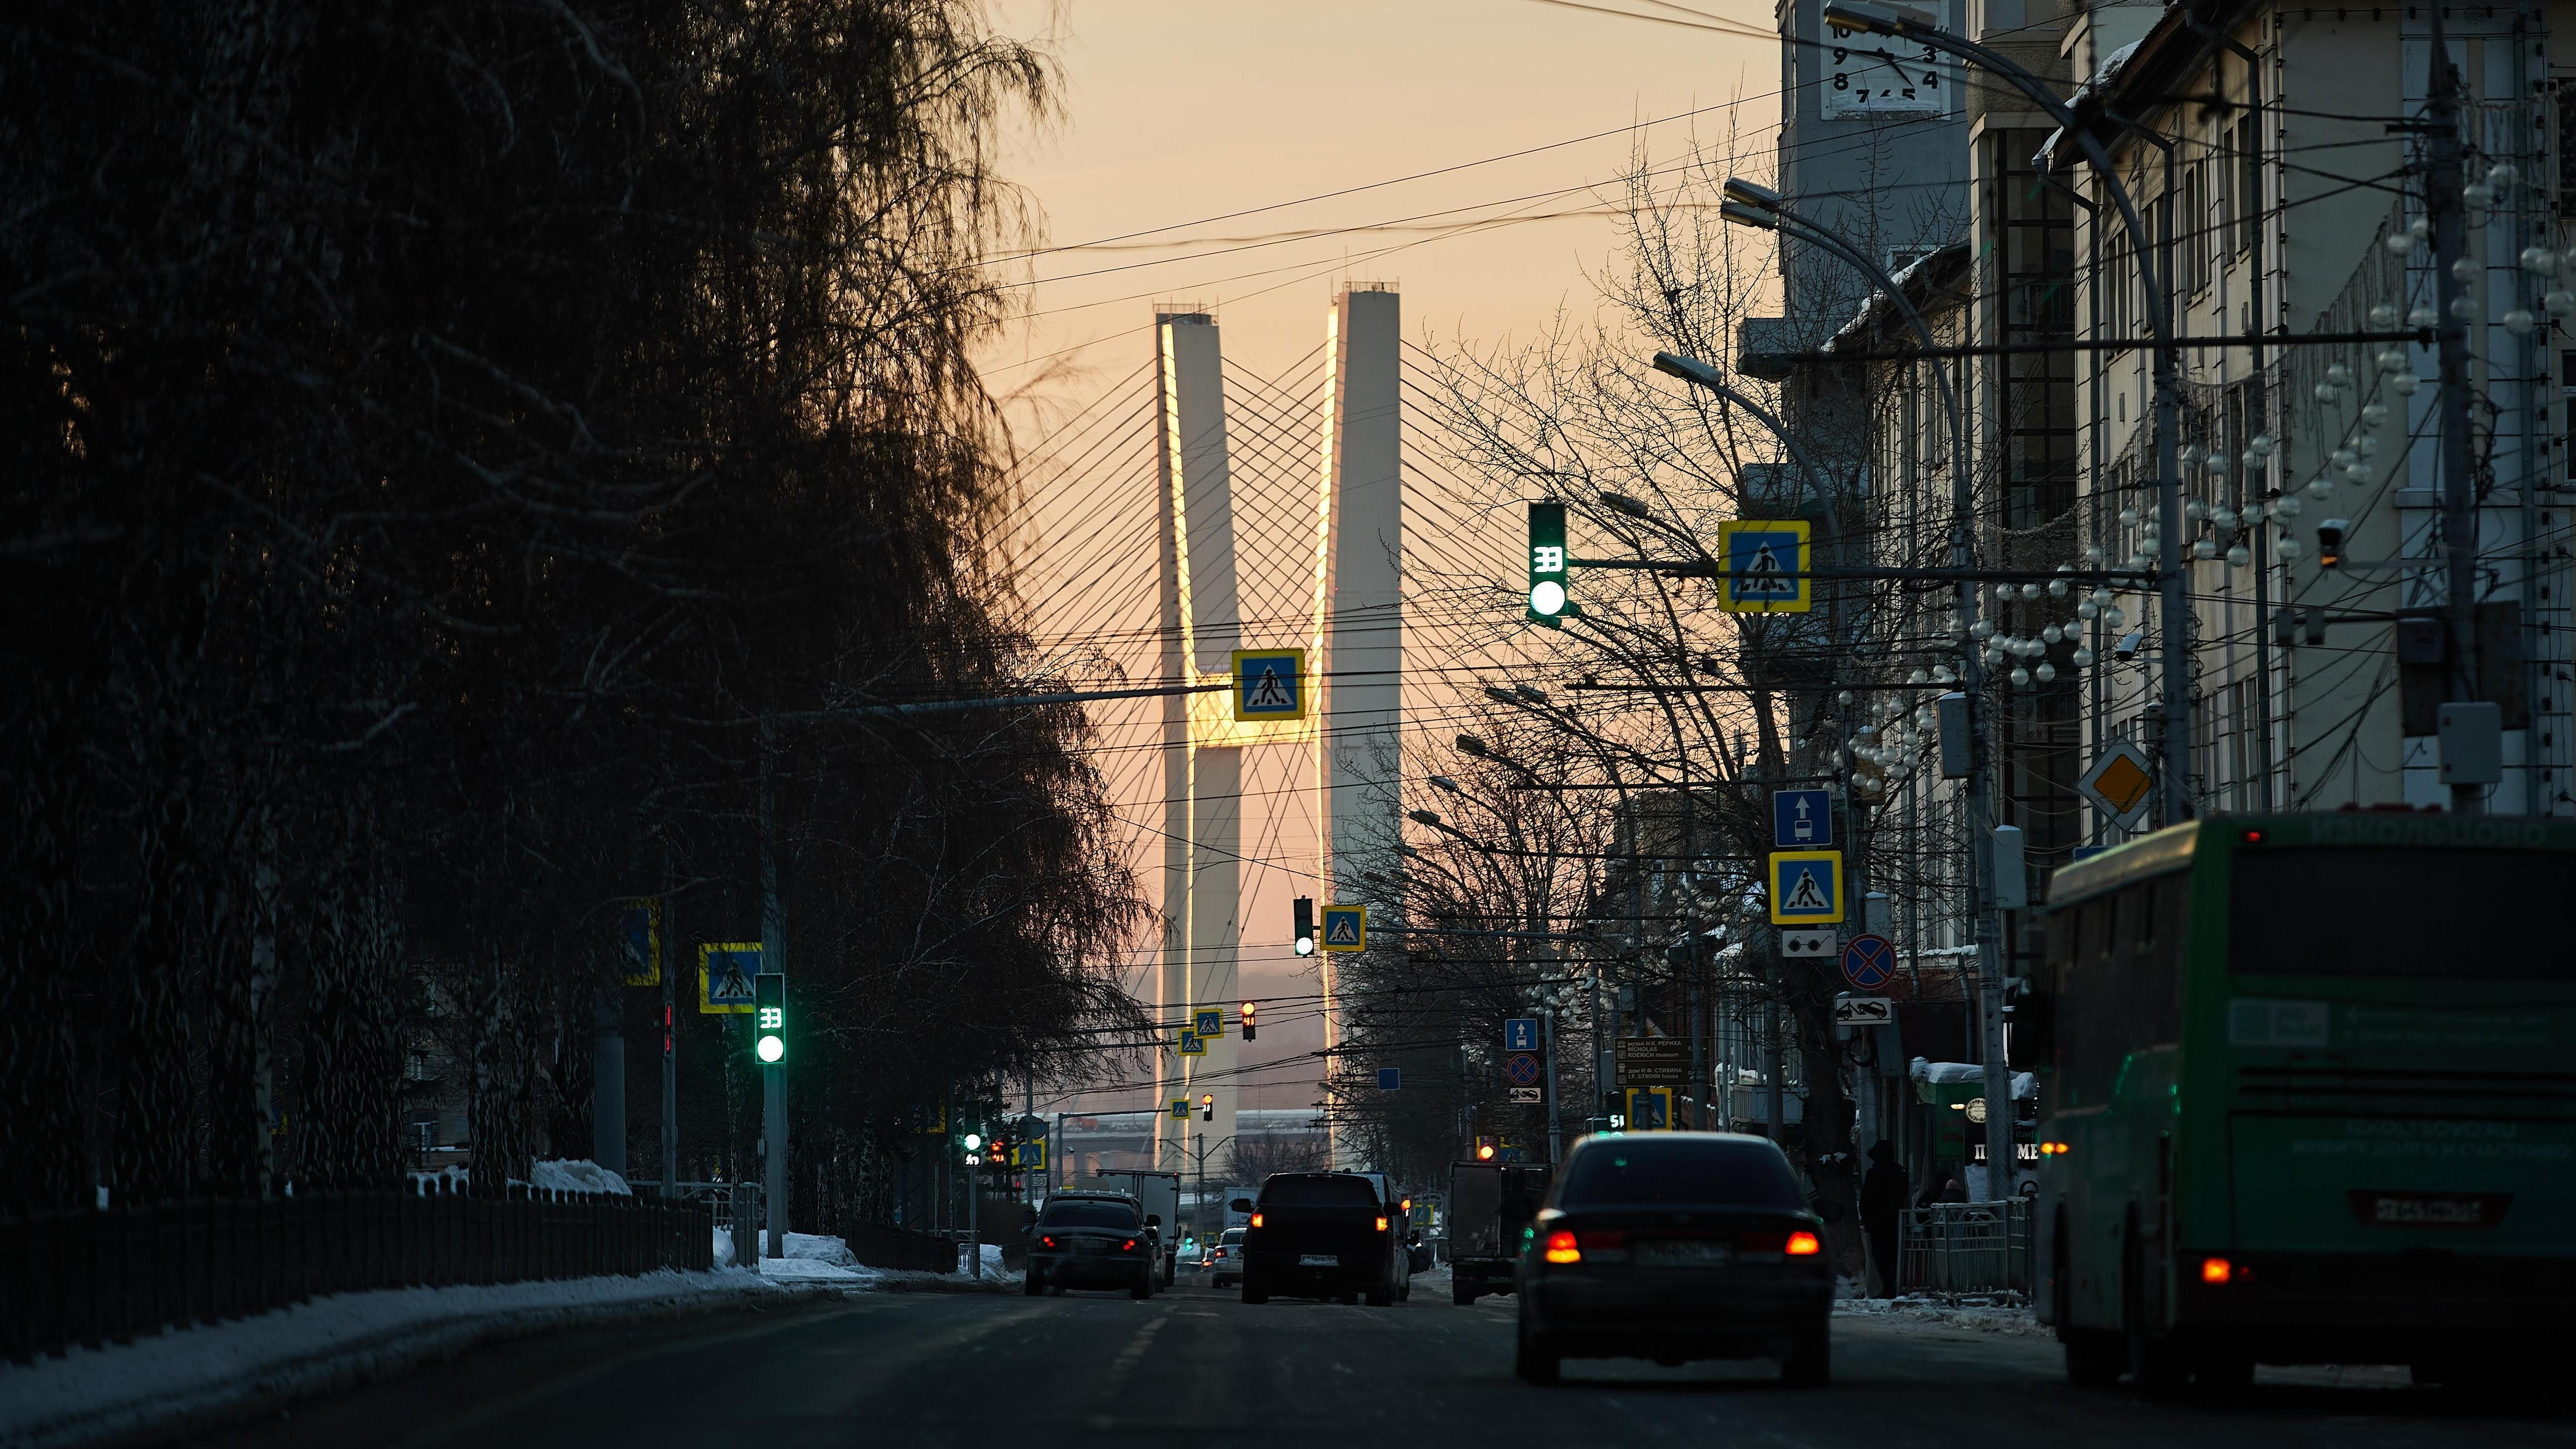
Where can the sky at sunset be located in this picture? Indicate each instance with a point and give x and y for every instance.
(1177, 116)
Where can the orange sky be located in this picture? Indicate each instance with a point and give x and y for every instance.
(1178, 112)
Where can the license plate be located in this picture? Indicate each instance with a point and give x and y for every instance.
(1686, 1250)
(1319, 1260)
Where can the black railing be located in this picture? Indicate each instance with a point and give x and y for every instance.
(98, 1277)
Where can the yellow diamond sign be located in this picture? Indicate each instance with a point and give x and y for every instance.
(2120, 784)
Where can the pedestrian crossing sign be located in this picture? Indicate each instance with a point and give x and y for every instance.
(1269, 684)
(1181, 1108)
(724, 977)
(1762, 567)
(1345, 928)
(1192, 1045)
(1806, 887)
(1209, 1024)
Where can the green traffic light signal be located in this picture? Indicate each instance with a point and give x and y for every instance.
(1550, 571)
(769, 1018)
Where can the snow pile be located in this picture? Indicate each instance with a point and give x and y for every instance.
(577, 1175)
(2004, 1319)
(820, 1249)
(199, 1378)
(1956, 1074)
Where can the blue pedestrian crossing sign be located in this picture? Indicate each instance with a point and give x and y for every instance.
(1345, 928)
(1806, 887)
(1269, 684)
(1520, 1033)
(725, 986)
(639, 940)
(1802, 819)
(1763, 567)
(1191, 1045)
(1210, 1024)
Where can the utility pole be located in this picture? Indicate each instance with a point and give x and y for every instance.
(671, 957)
(2459, 501)
(773, 1079)
(608, 1067)
(1547, 1044)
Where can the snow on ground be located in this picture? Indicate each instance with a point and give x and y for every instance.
(577, 1175)
(2009, 1320)
(218, 1373)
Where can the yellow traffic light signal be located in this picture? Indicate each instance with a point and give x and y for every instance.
(1207, 1106)
(1247, 1021)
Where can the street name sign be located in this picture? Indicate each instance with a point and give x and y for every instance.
(1763, 567)
(1345, 928)
(1806, 887)
(2121, 783)
(1269, 684)
(1802, 819)
(1652, 1061)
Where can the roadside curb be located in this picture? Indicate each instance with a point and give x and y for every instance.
(389, 1354)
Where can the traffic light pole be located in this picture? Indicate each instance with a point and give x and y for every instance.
(773, 1078)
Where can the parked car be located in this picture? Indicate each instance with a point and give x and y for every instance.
(1675, 1246)
(1321, 1235)
(1091, 1240)
(1225, 1260)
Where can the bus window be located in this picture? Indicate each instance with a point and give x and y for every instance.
(2398, 912)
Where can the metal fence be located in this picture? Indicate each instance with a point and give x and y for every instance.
(1957, 1248)
(96, 1277)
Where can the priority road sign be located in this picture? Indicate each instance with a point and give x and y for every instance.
(2120, 784)
(1389, 1078)
(1802, 819)
(724, 977)
(1520, 1033)
(1345, 928)
(1209, 1024)
(1869, 962)
(1191, 1045)
(1269, 684)
(1521, 1069)
(1763, 567)
(1806, 887)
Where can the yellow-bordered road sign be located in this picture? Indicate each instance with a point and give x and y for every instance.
(1762, 566)
(1209, 1024)
(1345, 928)
(1650, 1109)
(1191, 1045)
(725, 970)
(1269, 684)
(1806, 887)
(639, 940)
(1180, 1106)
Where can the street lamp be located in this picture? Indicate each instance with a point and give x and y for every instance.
(1906, 23)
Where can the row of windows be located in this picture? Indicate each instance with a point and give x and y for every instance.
(2116, 962)
(2218, 213)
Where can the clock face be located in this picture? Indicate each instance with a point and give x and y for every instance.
(1868, 75)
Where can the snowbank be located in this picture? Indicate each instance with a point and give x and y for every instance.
(2011, 1322)
(577, 1175)
(195, 1379)
(1955, 1074)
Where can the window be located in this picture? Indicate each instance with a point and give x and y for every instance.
(1625, 1171)
(2309, 912)
(2191, 224)
(2121, 988)
(1318, 1191)
(2249, 187)
(2567, 408)
(1118, 1217)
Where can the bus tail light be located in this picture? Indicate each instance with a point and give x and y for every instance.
(2216, 1270)
(1803, 1244)
(1561, 1248)
(1256, 1220)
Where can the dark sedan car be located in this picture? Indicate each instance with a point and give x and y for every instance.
(1091, 1240)
(1673, 1246)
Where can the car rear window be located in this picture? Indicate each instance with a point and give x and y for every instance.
(1318, 1192)
(1116, 1216)
(1232, 1236)
(1634, 1171)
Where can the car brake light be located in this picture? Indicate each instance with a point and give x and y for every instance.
(1803, 1244)
(1561, 1248)
(1256, 1220)
(1128, 1246)
(1047, 1242)
(2216, 1270)
(1381, 1225)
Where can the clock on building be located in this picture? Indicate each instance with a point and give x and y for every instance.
(1867, 76)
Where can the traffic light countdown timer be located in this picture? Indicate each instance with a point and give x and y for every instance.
(1551, 573)
(769, 1018)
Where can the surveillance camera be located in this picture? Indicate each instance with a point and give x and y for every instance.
(2127, 648)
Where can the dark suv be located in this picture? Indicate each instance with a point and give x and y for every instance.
(1091, 1240)
(1321, 1235)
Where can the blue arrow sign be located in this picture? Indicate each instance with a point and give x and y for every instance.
(1802, 819)
(1520, 1034)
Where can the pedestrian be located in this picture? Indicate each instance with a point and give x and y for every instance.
(1951, 1191)
(1882, 1202)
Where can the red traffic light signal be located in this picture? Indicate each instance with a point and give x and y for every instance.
(1247, 1021)
(1207, 1106)
(1484, 1149)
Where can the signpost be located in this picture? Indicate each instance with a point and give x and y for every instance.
(1520, 1034)
(1269, 684)
(1869, 962)
(639, 940)
(1345, 928)
(1806, 887)
(725, 973)
(1652, 1061)
(1763, 567)
(2121, 784)
(1802, 819)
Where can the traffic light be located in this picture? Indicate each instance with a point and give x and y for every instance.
(1247, 1021)
(1305, 937)
(1549, 573)
(1207, 1106)
(1484, 1149)
(997, 1153)
(2330, 543)
(769, 1018)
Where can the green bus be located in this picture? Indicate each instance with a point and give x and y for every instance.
(2310, 1097)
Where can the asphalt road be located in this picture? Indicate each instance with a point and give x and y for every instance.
(1192, 1366)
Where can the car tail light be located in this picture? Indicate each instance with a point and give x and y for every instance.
(1046, 1242)
(1128, 1246)
(1803, 1244)
(1381, 1225)
(2216, 1270)
(1256, 1220)
(1561, 1248)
